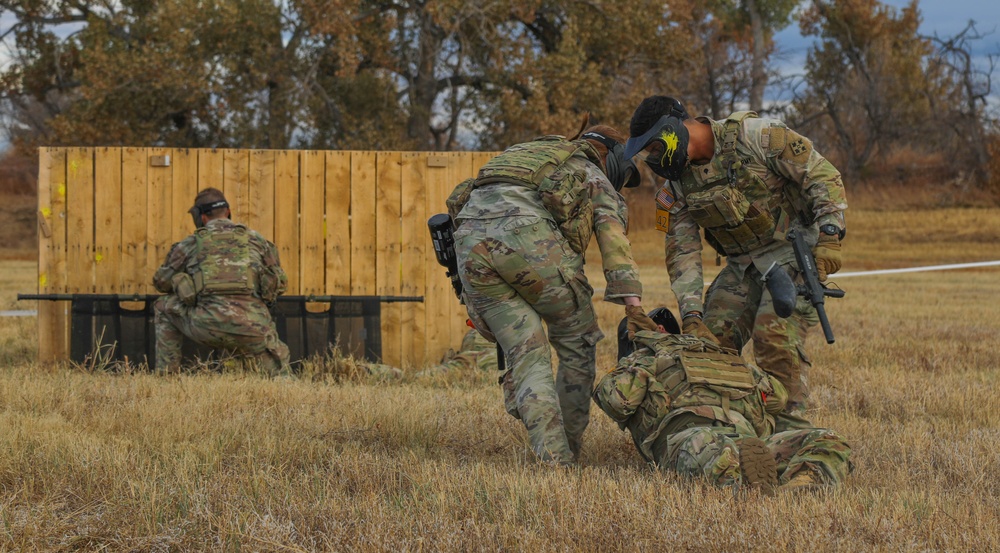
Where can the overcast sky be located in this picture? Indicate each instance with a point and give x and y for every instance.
(944, 17)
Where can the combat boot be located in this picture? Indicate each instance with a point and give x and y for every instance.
(757, 464)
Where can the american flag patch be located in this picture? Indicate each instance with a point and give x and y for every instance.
(664, 199)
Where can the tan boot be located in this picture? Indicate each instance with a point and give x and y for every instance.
(757, 464)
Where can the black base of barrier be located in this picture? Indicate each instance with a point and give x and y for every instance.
(101, 322)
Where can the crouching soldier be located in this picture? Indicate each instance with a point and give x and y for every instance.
(218, 283)
(697, 408)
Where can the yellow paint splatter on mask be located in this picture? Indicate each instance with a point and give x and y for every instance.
(670, 142)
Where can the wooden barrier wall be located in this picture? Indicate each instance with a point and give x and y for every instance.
(344, 222)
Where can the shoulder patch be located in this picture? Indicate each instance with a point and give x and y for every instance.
(777, 141)
(797, 148)
(665, 198)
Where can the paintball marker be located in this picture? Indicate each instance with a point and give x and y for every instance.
(813, 290)
(444, 248)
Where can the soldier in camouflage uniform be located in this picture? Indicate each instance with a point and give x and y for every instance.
(697, 408)
(476, 353)
(520, 257)
(747, 181)
(218, 283)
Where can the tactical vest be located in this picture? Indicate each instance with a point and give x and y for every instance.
(685, 375)
(735, 207)
(224, 263)
(541, 165)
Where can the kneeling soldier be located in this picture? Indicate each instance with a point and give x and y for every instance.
(219, 282)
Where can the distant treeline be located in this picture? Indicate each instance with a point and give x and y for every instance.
(455, 74)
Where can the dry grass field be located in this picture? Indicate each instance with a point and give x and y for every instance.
(96, 461)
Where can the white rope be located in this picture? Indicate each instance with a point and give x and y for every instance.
(918, 269)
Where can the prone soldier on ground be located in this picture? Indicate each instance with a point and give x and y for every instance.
(218, 283)
(747, 181)
(699, 409)
(521, 229)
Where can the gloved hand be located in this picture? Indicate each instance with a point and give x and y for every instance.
(827, 253)
(692, 324)
(638, 320)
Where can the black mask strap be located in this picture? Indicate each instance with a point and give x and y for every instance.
(204, 209)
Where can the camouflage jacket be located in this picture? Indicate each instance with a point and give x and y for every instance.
(610, 222)
(269, 278)
(655, 390)
(806, 189)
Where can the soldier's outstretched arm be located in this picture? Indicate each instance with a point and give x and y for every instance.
(174, 263)
(682, 251)
(610, 220)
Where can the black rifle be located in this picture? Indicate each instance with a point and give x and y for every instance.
(813, 290)
(444, 248)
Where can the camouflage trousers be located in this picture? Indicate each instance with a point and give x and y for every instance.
(236, 324)
(713, 453)
(517, 273)
(738, 308)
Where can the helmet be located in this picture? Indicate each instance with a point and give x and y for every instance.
(661, 316)
(667, 141)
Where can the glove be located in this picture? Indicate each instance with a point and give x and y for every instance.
(637, 320)
(827, 253)
(693, 325)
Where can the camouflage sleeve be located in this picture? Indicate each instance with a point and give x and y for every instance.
(620, 393)
(682, 252)
(175, 262)
(610, 220)
(276, 278)
(820, 185)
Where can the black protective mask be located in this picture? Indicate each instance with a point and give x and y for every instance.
(621, 172)
(667, 144)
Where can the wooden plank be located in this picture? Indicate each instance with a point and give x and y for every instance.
(80, 220)
(236, 182)
(134, 273)
(363, 253)
(183, 189)
(211, 170)
(108, 221)
(261, 215)
(388, 245)
(312, 259)
(439, 297)
(338, 223)
(53, 317)
(415, 248)
(159, 204)
(460, 168)
(286, 215)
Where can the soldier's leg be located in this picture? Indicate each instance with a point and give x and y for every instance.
(709, 452)
(574, 333)
(730, 308)
(779, 349)
(819, 452)
(169, 338)
(500, 287)
(565, 304)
